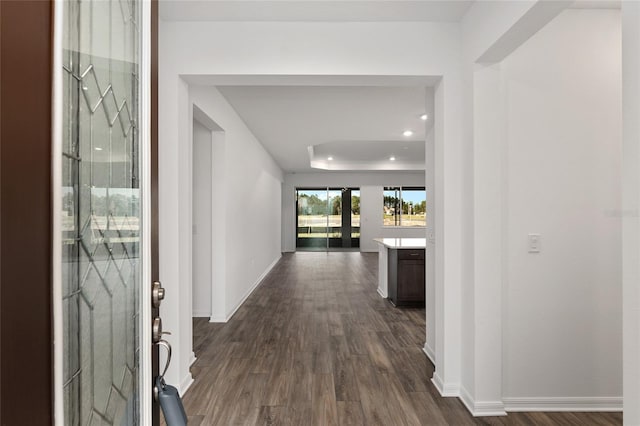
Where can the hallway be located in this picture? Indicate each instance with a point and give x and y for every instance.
(316, 345)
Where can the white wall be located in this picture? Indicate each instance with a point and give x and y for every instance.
(490, 34)
(371, 187)
(245, 245)
(631, 208)
(563, 318)
(202, 220)
(253, 184)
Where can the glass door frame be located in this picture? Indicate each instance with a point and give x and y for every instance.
(147, 111)
(346, 239)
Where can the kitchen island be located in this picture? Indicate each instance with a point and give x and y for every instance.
(401, 270)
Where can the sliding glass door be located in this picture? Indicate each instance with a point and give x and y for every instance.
(326, 218)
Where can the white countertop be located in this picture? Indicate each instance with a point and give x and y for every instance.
(402, 243)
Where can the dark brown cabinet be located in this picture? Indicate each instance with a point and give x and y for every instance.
(406, 277)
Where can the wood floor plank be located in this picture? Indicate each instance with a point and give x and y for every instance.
(372, 397)
(323, 401)
(377, 352)
(299, 414)
(350, 413)
(247, 405)
(271, 416)
(316, 345)
(426, 409)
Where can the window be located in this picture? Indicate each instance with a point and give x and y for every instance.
(328, 217)
(355, 213)
(404, 206)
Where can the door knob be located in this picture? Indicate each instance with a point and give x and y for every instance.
(157, 294)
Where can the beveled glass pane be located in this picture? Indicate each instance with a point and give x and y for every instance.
(119, 334)
(102, 349)
(91, 89)
(110, 106)
(85, 400)
(100, 212)
(115, 407)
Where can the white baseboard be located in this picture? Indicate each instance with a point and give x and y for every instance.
(563, 404)
(185, 384)
(253, 287)
(193, 359)
(481, 408)
(445, 389)
(384, 296)
(430, 353)
(217, 319)
(200, 314)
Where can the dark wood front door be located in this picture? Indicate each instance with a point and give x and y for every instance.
(100, 201)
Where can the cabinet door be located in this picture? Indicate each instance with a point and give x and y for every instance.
(410, 280)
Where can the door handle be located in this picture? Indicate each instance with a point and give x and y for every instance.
(156, 330)
(157, 294)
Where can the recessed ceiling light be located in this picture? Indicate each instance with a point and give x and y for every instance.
(424, 117)
(330, 158)
(97, 148)
(392, 158)
(407, 133)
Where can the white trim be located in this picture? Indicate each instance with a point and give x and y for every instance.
(384, 296)
(481, 408)
(253, 287)
(201, 314)
(56, 193)
(218, 319)
(193, 359)
(430, 353)
(578, 404)
(145, 375)
(185, 384)
(445, 389)
(246, 296)
(467, 400)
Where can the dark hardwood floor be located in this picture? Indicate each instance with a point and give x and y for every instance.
(316, 345)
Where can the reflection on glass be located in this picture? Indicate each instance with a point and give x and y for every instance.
(321, 220)
(391, 207)
(312, 213)
(414, 207)
(355, 213)
(334, 213)
(100, 212)
(406, 206)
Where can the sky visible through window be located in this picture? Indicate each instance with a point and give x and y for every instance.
(413, 196)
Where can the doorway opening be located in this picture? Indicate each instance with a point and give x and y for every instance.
(202, 220)
(327, 218)
(208, 235)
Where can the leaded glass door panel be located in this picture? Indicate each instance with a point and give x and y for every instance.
(101, 212)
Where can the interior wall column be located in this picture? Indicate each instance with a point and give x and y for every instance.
(489, 236)
(631, 209)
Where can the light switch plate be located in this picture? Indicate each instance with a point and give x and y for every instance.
(534, 243)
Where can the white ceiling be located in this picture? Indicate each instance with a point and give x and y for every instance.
(314, 10)
(359, 126)
(302, 122)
